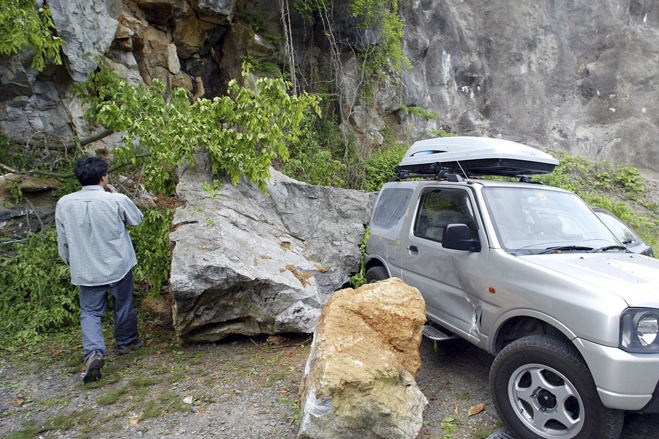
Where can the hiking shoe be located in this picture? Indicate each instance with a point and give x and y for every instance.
(130, 347)
(94, 364)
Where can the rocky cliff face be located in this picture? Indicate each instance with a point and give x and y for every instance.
(575, 75)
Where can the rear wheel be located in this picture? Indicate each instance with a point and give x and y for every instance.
(543, 389)
(375, 274)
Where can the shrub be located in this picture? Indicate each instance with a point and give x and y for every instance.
(317, 155)
(151, 241)
(379, 166)
(36, 294)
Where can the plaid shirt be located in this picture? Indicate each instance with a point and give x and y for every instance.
(92, 237)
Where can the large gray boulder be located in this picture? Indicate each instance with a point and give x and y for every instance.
(247, 263)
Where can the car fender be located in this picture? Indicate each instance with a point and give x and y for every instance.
(522, 312)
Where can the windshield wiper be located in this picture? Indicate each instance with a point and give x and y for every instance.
(564, 248)
(609, 247)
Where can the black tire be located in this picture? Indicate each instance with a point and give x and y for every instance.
(527, 380)
(376, 273)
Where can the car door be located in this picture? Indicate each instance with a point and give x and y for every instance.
(450, 280)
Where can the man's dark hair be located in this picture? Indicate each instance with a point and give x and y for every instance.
(89, 171)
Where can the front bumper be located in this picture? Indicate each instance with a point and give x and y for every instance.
(624, 381)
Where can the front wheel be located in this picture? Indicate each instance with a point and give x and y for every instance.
(542, 389)
(376, 273)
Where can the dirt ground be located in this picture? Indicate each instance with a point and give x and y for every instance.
(241, 388)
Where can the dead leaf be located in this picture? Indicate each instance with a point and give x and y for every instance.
(456, 409)
(265, 257)
(286, 245)
(134, 421)
(201, 409)
(321, 269)
(276, 340)
(256, 261)
(475, 409)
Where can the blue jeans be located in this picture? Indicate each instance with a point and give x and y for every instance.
(94, 302)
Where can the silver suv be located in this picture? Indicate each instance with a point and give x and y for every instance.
(530, 274)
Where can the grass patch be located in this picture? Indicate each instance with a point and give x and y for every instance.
(111, 397)
(172, 402)
(143, 381)
(485, 432)
(152, 410)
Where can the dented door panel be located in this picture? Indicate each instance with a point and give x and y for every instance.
(451, 281)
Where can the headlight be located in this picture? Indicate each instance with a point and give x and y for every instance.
(639, 330)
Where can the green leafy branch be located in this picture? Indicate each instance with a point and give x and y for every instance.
(242, 132)
(23, 25)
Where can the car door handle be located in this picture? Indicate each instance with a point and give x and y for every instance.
(413, 249)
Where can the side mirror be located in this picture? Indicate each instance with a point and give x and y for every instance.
(458, 237)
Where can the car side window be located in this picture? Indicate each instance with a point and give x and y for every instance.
(391, 207)
(439, 208)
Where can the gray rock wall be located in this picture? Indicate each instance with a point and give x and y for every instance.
(579, 76)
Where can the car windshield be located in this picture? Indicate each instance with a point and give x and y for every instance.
(537, 220)
(621, 231)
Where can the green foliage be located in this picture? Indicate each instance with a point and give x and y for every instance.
(211, 188)
(306, 8)
(379, 166)
(583, 176)
(359, 279)
(16, 191)
(384, 15)
(315, 156)
(242, 132)
(449, 425)
(36, 292)
(264, 67)
(441, 133)
(22, 26)
(296, 412)
(151, 241)
(421, 112)
(257, 24)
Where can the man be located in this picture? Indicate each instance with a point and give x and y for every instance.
(93, 240)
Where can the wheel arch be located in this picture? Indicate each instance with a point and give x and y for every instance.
(375, 261)
(520, 323)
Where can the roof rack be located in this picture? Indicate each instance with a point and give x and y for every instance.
(434, 170)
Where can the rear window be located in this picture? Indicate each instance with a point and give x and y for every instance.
(391, 207)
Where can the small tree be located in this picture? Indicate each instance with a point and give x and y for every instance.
(243, 132)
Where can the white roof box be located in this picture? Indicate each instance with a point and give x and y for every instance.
(476, 156)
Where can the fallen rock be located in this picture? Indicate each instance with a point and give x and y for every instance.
(359, 381)
(247, 263)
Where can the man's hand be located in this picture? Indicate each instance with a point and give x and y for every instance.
(110, 188)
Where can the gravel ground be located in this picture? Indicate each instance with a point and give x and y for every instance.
(245, 388)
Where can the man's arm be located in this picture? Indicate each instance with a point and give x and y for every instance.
(62, 243)
(132, 215)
